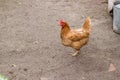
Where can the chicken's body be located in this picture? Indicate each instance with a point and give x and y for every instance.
(75, 38)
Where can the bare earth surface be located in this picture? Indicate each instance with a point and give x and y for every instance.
(30, 46)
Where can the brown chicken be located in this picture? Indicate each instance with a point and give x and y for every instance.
(75, 38)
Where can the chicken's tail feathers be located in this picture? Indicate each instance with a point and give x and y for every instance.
(87, 24)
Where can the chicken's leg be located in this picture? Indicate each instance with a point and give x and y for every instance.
(75, 54)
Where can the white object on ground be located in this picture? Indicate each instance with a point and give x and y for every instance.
(116, 18)
(112, 68)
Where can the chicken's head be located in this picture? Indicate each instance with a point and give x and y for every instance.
(62, 23)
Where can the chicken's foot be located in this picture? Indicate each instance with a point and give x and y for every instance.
(75, 54)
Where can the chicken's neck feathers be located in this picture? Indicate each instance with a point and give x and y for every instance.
(65, 30)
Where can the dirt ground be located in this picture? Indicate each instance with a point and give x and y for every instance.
(30, 47)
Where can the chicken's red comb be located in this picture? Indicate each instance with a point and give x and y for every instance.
(61, 22)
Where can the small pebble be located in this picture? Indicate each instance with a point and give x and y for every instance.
(25, 69)
(13, 65)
